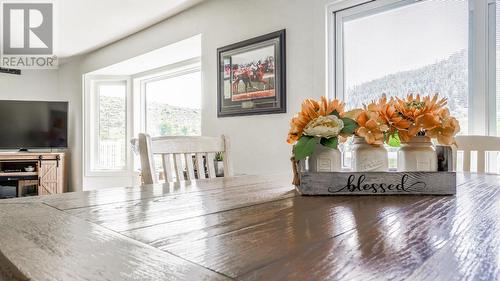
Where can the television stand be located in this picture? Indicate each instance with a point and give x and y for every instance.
(47, 176)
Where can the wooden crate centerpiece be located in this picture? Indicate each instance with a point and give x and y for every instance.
(414, 123)
(377, 183)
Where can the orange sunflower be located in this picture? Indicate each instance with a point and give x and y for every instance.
(391, 116)
(420, 113)
(326, 107)
(311, 110)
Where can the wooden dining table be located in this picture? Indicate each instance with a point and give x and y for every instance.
(252, 228)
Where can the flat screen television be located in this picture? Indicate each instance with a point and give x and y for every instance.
(33, 124)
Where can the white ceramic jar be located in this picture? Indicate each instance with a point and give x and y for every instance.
(367, 157)
(325, 159)
(418, 154)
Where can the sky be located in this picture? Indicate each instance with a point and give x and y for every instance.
(182, 91)
(404, 38)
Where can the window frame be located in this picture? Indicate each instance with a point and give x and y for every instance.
(481, 92)
(361, 10)
(140, 81)
(91, 126)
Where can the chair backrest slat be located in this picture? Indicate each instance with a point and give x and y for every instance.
(167, 167)
(481, 144)
(177, 157)
(179, 168)
(467, 161)
(228, 165)
(481, 157)
(149, 175)
(189, 166)
(210, 165)
(200, 167)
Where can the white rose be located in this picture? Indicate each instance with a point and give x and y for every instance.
(324, 127)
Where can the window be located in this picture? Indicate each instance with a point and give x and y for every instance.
(390, 49)
(108, 126)
(111, 127)
(451, 47)
(170, 102)
(162, 102)
(173, 104)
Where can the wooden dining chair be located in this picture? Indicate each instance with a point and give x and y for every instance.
(481, 144)
(183, 158)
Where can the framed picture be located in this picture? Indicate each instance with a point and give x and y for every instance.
(252, 76)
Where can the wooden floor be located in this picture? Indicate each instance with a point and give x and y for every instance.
(252, 228)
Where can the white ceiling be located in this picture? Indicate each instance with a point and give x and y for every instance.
(85, 25)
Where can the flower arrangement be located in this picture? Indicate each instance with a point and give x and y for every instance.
(321, 122)
(384, 121)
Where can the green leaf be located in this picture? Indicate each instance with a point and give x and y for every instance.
(304, 147)
(331, 142)
(349, 126)
(394, 140)
(336, 113)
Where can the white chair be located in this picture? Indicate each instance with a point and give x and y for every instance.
(481, 144)
(193, 156)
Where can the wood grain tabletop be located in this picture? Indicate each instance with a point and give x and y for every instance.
(252, 228)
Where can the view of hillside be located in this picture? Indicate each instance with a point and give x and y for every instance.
(112, 132)
(162, 120)
(168, 120)
(448, 77)
(112, 120)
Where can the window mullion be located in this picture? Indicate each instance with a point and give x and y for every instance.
(492, 160)
(478, 68)
(339, 61)
(491, 66)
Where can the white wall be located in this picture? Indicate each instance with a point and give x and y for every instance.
(258, 142)
(31, 85)
(69, 86)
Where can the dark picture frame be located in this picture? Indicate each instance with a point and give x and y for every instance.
(251, 76)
